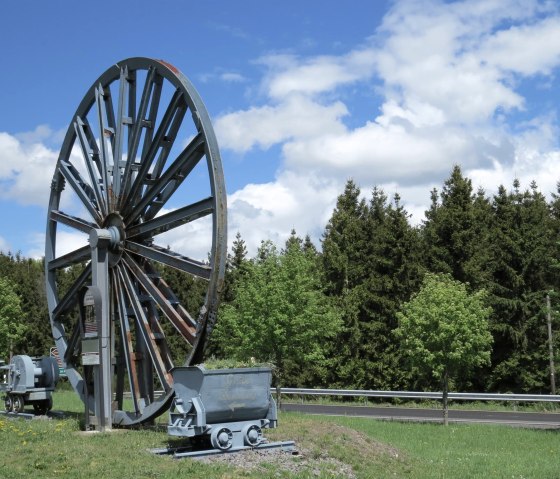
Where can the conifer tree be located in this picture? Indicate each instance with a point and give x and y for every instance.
(520, 275)
(450, 231)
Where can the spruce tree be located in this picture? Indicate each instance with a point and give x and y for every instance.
(450, 230)
(520, 275)
(343, 242)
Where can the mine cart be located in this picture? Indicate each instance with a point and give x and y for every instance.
(230, 407)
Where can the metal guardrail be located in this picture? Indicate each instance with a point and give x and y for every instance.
(409, 395)
(421, 395)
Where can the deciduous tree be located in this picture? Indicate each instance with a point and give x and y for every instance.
(279, 314)
(12, 327)
(444, 330)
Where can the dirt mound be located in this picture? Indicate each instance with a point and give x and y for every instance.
(322, 449)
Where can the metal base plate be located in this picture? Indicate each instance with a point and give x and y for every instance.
(181, 452)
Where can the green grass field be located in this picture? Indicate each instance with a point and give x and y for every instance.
(373, 449)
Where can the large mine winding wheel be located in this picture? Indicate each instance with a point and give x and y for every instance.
(139, 148)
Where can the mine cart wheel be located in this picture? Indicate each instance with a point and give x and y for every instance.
(252, 435)
(8, 403)
(221, 438)
(140, 158)
(18, 404)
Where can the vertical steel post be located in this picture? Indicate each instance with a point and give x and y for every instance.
(550, 347)
(100, 240)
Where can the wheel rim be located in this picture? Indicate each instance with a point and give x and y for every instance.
(18, 404)
(136, 111)
(8, 404)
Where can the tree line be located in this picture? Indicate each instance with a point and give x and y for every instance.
(373, 262)
(328, 317)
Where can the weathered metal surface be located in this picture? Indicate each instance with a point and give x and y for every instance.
(230, 407)
(227, 394)
(122, 161)
(29, 381)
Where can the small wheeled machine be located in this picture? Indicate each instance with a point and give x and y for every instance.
(222, 410)
(28, 380)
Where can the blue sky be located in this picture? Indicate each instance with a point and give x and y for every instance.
(303, 96)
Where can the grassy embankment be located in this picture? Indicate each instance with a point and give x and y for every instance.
(374, 449)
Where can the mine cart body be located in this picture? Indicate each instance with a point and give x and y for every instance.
(31, 381)
(228, 406)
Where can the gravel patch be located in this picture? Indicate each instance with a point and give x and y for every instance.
(294, 462)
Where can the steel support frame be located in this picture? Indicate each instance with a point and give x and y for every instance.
(100, 241)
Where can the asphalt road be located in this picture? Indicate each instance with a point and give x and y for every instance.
(527, 419)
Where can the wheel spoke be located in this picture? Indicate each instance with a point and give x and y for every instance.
(152, 116)
(139, 123)
(147, 335)
(90, 153)
(76, 256)
(126, 339)
(177, 102)
(170, 138)
(105, 133)
(73, 345)
(172, 220)
(73, 221)
(82, 189)
(170, 258)
(122, 121)
(160, 335)
(168, 293)
(180, 323)
(167, 183)
(71, 297)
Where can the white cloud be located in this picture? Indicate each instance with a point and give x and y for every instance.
(526, 49)
(262, 211)
(272, 210)
(374, 153)
(449, 76)
(4, 245)
(529, 165)
(232, 77)
(289, 75)
(66, 241)
(297, 116)
(193, 240)
(25, 170)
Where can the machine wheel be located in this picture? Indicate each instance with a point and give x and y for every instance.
(221, 438)
(18, 404)
(252, 435)
(139, 158)
(8, 403)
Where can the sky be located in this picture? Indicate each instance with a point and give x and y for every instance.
(303, 96)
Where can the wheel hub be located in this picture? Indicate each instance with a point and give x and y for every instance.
(115, 223)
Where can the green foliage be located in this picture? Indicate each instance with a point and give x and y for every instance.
(382, 269)
(279, 314)
(214, 363)
(371, 263)
(27, 278)
(12, 327)
(519, 274)
(444, 328)
(454, 227)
